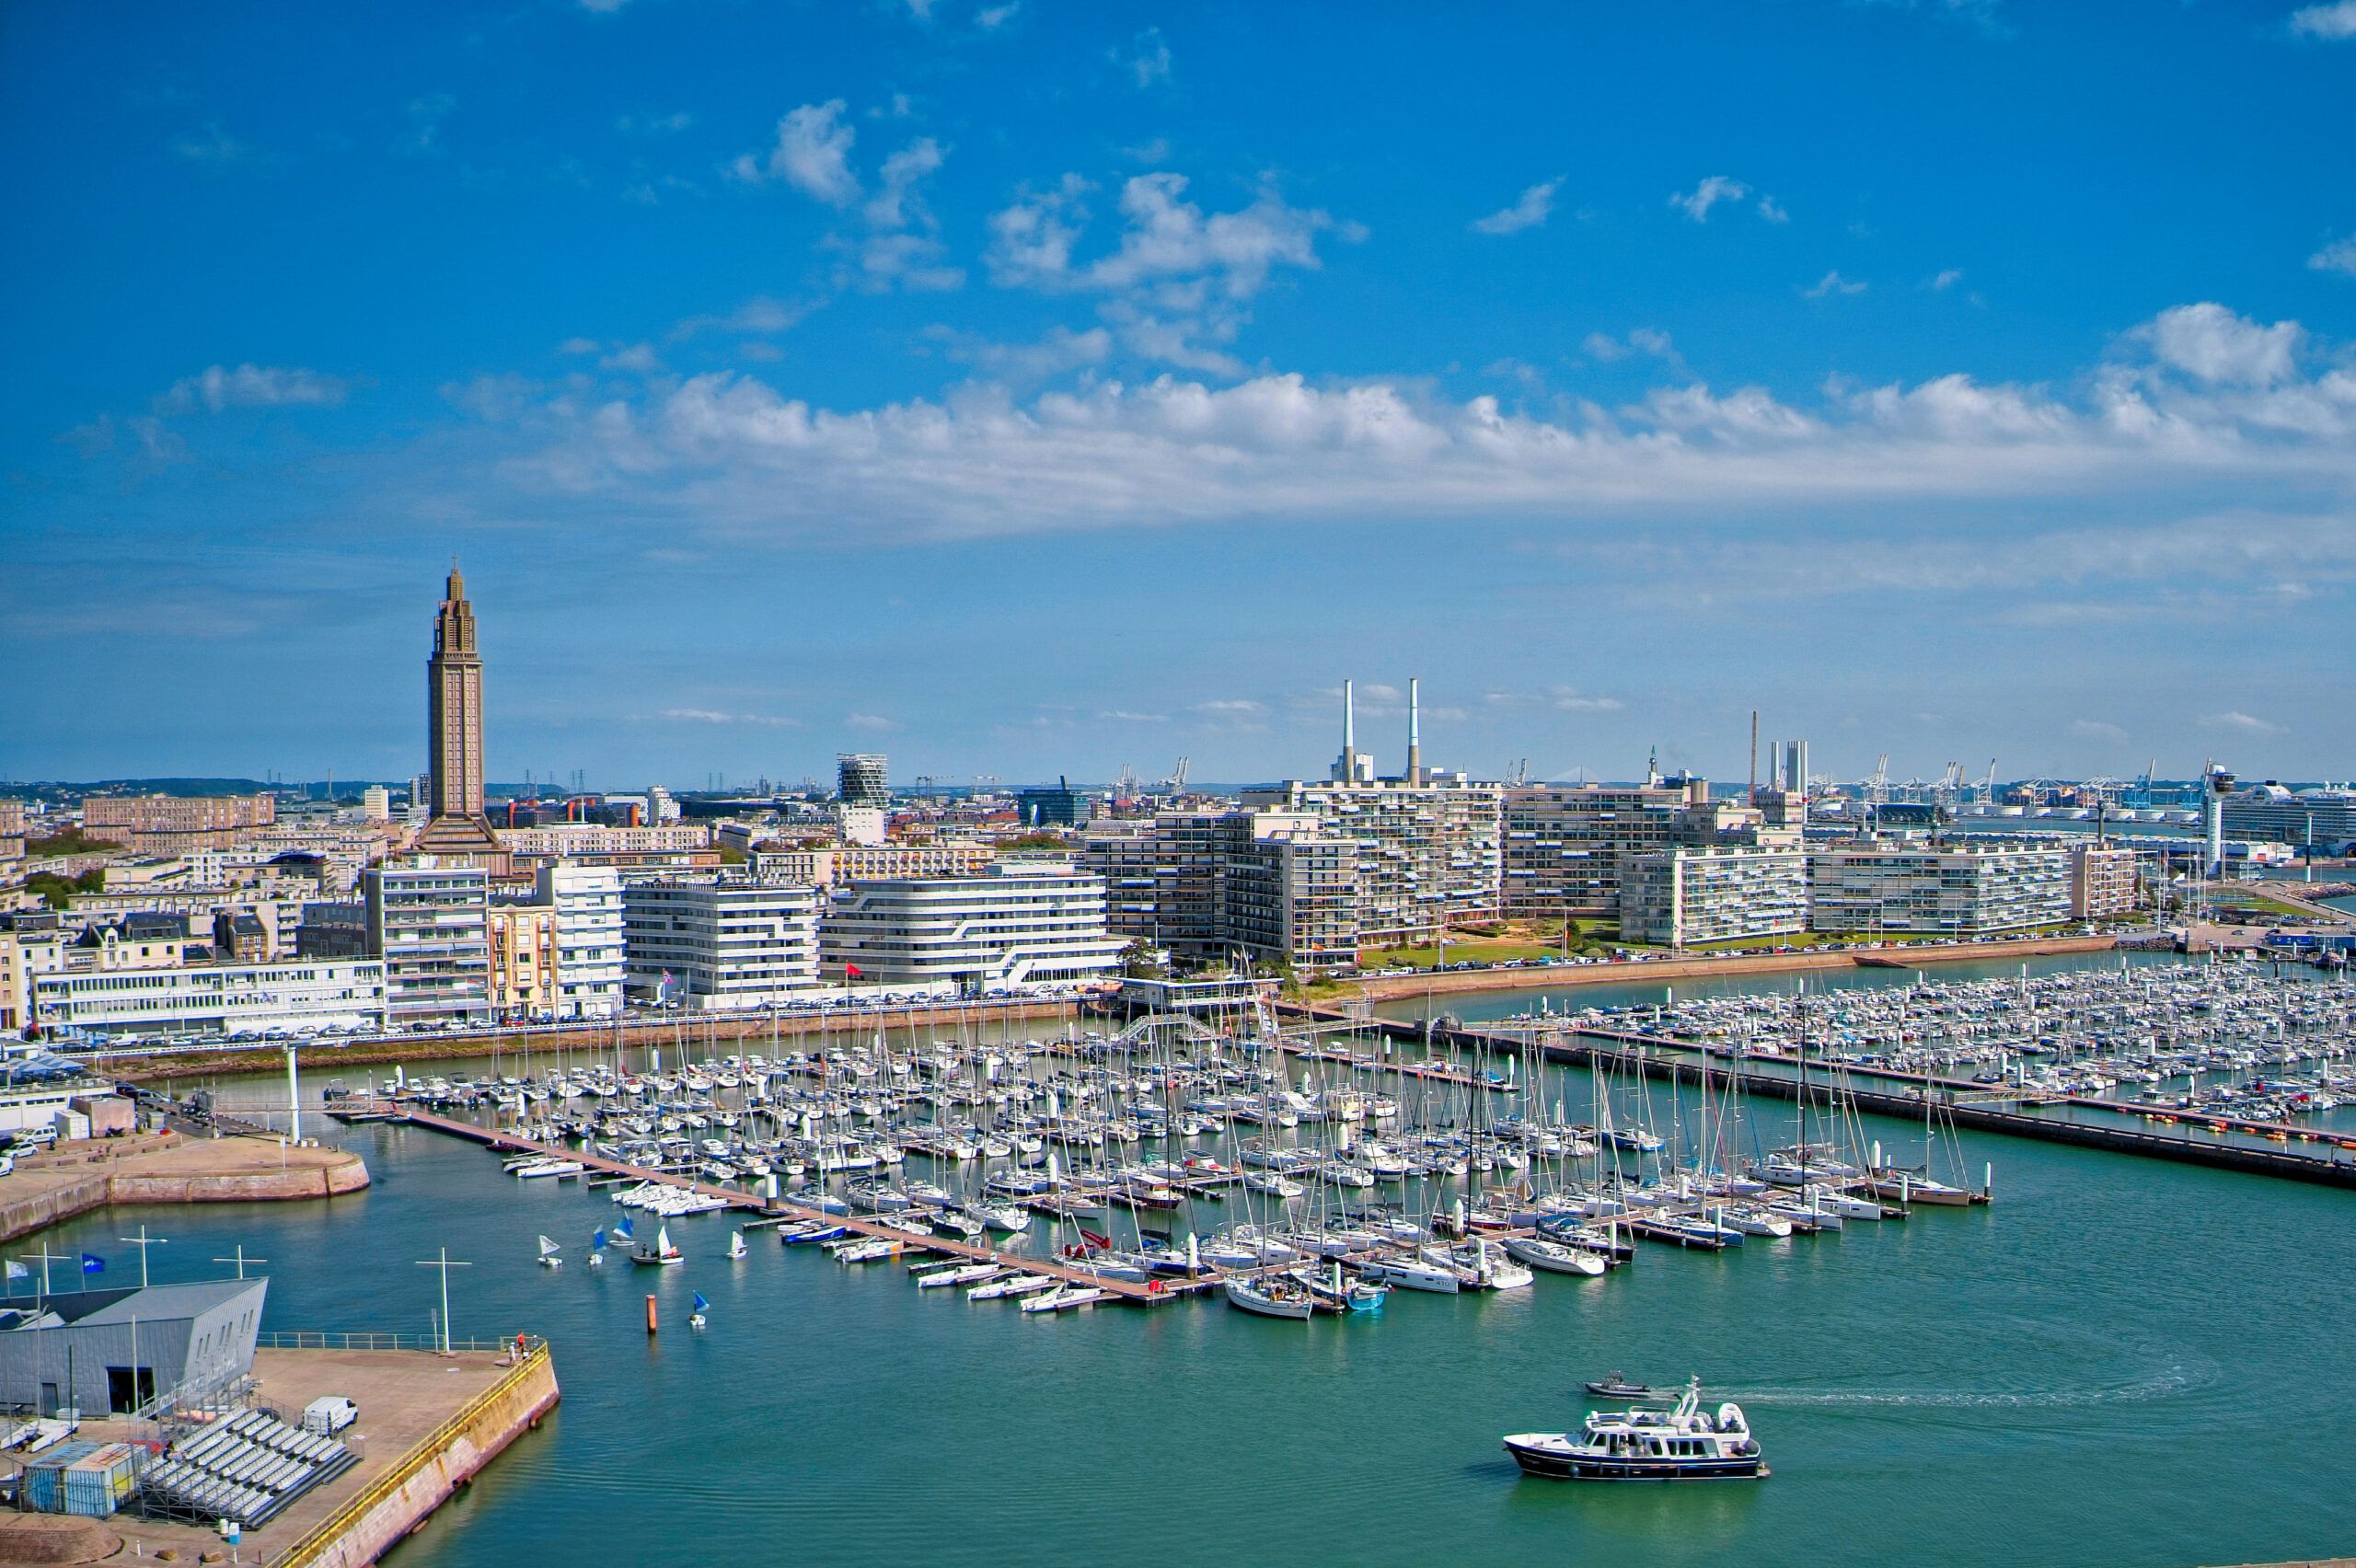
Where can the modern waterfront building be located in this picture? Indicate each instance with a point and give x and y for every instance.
(1957, 891)
(300, 997)
(719, 946)
(429, 922)
(587, 903)
(456, 829)
(864, 778)
(1216, 887)
(97, 1353)
(1428, 854)
(173, 825)
(1015, 925)
(1683, 897)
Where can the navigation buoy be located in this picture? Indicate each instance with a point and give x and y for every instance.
(650, 1314)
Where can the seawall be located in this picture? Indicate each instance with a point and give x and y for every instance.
(400, 1501)
(172, 1171)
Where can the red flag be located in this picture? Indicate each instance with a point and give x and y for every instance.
(850, 971)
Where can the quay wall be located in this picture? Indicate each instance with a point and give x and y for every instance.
(75, 1186)
(696, 1029)
(400, 1501)
(1402, 987)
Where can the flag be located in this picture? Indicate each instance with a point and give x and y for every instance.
(850, 971)
(93, 1263)
(700, 1302)
(18, 1271)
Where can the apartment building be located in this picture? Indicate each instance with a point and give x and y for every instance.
(837, 863)
(1684, 896)
(2104, 883)
(1218, 886)
(587, 902)
(303, 996)
(1427, 853)
(167, 824)
(430, 924)
(567, 840)
(521, 941)
(1565, 844)
(719, 946)
(1877, 890)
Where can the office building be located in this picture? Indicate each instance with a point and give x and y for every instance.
(719, 947)
(236, 1001)
(1682, 897)
(587, 902)
(1013, 926)
(864, 778)
(375, 803)
(1061, 806)
(429, 922)
(1874, 890)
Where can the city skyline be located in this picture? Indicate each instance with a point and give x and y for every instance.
(1028, 398)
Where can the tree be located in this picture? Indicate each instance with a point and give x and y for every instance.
(1139, 961)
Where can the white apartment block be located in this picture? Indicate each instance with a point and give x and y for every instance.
(1564, 846)
(856, 862)
(1014, 926)
(719, 947)
(1681, 897)
(303, 997)
(430, 924)
(589, 967)
(1953, 890)
(556, 840)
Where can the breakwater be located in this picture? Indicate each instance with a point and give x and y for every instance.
(169, 1169)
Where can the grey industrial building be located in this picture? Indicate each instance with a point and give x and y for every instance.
(107, 1351)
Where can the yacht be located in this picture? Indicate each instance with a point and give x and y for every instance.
(1684, 1443)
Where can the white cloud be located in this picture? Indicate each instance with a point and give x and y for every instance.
(1123, 716)
(1718, 187)
(2333, 23)
(1230, 707)
(1529, 211)
(1946, 278)
(217, 389)
(1060, 351)
(210, 147)
(602, 8)
(989, 18)
(812, 154)
(426, 117)
(874, 723)
(2096, 730)
(1833, 283)
(2214, 344)
(761, 315)
(710, 716)
(1772, 210)
(2339, 255)
(890, 207)
(2243, 722)
(733, 452)
(638, 357)
(654, 124)
(1147, 58)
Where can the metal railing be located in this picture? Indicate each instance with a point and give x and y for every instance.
(306, 1339)
(314, 1543)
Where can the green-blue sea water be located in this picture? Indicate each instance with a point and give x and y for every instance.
(2119, 1362)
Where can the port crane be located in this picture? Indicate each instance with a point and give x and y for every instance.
(1177, 783)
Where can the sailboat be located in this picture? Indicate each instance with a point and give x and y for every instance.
(696, 1320)
(736, 1244)
(548, 1258)
(597, 1249)
(659, 1252)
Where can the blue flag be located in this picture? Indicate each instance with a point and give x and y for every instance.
(18, 1271)
(700, 1302)
(92, 1264)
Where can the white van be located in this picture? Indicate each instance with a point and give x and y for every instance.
(327, 1416)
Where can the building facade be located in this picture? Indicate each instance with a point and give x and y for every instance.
(173, 825)
(300, 997)
(1565, 844)
(587, 902)
(1014, 926)
(2104, 883)
(561, 840)
(521, 939)
(456, 828)
(1428, 854)
(838, 863)
(719, 946)
(110, 1352)
(429, 923)
(1905, 891)
(1681, 897)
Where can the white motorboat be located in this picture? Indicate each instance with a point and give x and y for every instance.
(1684, 1443)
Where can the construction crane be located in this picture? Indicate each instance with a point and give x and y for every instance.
(1177, 783)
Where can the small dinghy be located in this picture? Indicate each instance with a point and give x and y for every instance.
(1617, 1387)
(548, 1258)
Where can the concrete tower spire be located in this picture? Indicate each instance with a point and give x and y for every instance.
(1414, 731)
(457, 827)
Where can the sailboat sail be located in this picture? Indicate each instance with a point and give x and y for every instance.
(547, 1248)
(701, 1303)
(596, 1240)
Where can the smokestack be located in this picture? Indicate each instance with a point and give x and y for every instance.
(1414, 731)
(1349, 722)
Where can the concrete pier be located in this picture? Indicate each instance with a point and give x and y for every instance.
(75, 1179)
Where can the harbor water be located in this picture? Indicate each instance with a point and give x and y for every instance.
(2120, 1361)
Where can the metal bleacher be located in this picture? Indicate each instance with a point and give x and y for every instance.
(246, 1467)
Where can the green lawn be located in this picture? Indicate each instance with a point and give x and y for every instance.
(1463, 950)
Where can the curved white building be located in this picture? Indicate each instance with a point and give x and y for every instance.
(1013, 926)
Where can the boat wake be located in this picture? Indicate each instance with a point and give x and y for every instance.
(2165, 1384)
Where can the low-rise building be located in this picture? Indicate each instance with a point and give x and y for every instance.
(719, 947)
(95, 1352)
(1681, 897)
(564, 840)
(1014, 926)
(833, 864)
(300, 997)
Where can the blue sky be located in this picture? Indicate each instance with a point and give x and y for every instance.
(1026, 388)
